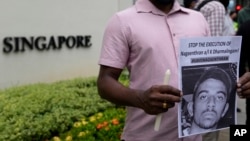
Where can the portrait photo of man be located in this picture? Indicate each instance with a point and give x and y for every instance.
(210, 104)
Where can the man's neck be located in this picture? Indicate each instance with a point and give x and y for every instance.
(163, 8)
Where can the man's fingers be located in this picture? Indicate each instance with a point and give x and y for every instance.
(167, 89)
(244, 79)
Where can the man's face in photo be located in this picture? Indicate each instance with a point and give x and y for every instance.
(210, 103)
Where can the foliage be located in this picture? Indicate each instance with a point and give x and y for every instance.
(101, 126)
(39, 111)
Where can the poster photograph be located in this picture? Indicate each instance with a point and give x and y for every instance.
(208, 69)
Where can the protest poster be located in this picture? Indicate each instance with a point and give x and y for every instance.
(208, 72)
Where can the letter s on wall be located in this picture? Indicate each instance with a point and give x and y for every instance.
(7, 46)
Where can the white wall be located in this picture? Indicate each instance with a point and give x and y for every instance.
(53, 18)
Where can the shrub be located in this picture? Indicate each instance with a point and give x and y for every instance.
(102, 126)
(40, 111)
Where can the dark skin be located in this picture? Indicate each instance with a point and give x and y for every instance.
(149, 100)
(243, 86)
(163, 8)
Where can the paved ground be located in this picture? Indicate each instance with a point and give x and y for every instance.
(241, 117)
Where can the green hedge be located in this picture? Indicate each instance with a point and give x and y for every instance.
(40, 111)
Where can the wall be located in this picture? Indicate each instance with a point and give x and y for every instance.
(47, 18)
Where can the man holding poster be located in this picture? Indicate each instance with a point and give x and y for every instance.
(145, 39)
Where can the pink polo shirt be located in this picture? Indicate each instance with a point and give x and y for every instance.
(146, 41)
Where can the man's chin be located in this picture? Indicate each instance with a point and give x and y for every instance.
(207, 124)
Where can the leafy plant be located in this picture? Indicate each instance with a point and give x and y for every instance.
(106, 125)
(37, 112)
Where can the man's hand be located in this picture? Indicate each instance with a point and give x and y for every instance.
(243, 86)
(151, 101)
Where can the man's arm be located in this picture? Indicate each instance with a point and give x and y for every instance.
(109, 88)
(150, 100)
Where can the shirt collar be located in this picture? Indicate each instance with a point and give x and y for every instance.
(145, 6)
